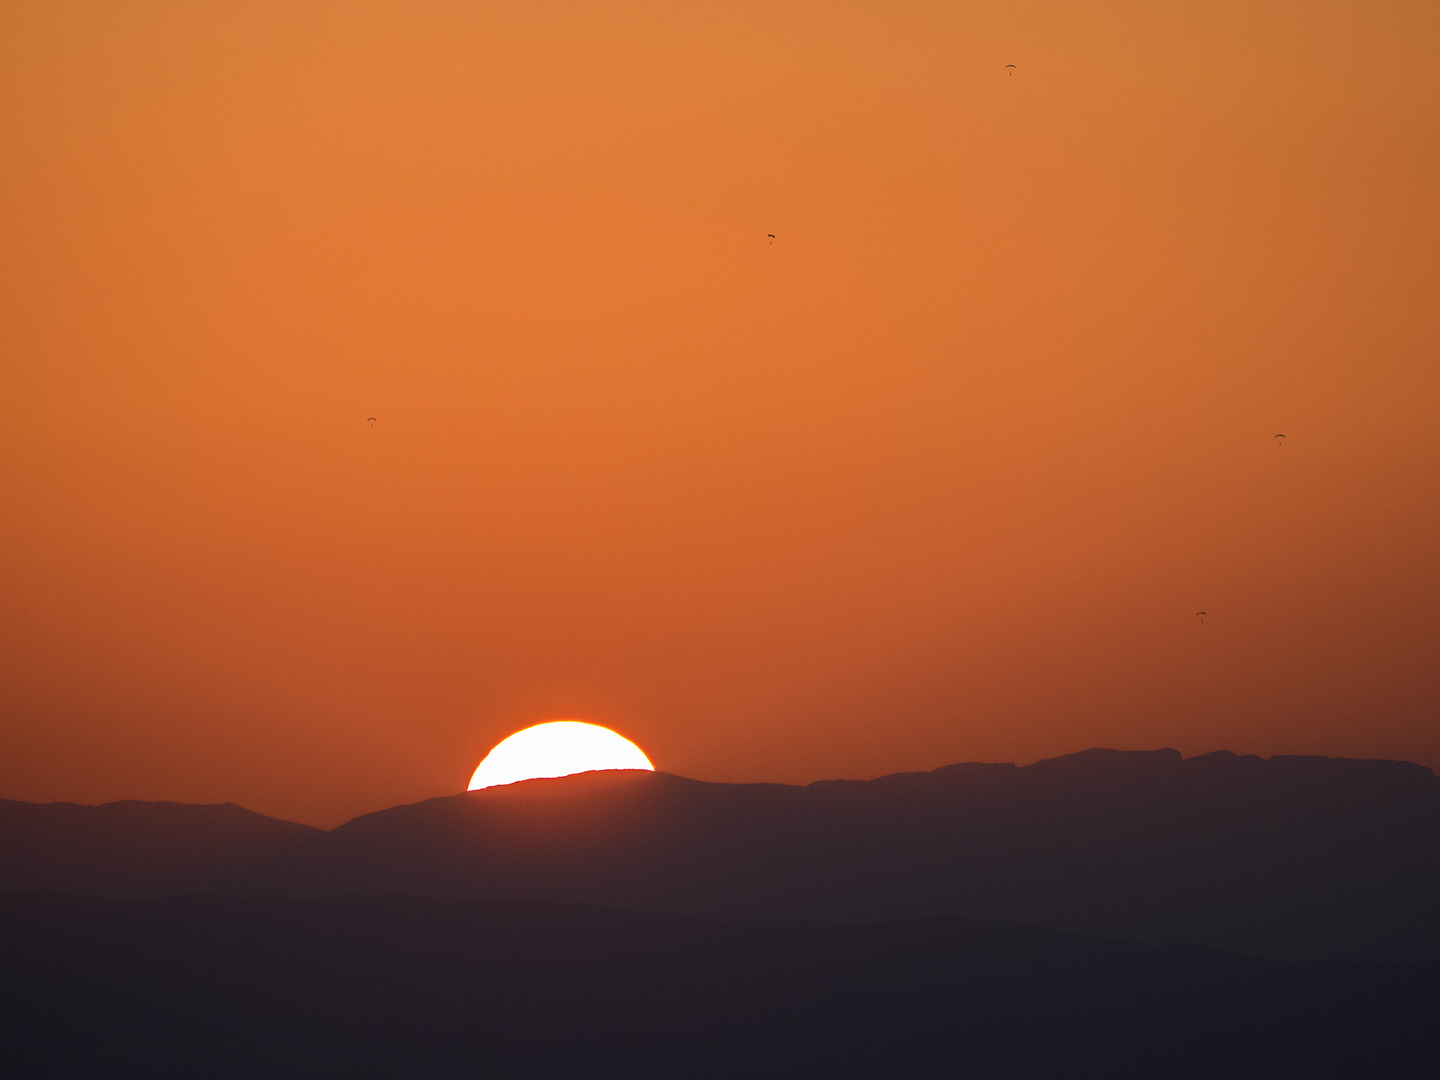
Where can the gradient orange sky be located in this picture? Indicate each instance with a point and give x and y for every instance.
(944, 473)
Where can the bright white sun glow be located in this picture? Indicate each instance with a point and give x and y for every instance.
(558, 748)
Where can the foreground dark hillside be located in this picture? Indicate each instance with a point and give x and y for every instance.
(1287, 857)
(394, 987)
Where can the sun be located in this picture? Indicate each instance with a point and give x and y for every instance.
(558, 748)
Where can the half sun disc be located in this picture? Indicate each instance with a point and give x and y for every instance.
(559, 748)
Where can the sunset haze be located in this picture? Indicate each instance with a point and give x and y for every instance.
(941, 473)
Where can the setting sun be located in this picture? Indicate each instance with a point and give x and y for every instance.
(558, 748)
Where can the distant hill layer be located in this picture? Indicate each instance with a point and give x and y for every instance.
(388, 987)
(1287, 856)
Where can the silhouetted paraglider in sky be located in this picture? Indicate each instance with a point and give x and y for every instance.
(1281, 443)
(1009, 69)
(370, 420)
(1201, 615)
(771, 235)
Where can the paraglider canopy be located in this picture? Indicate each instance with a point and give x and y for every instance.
(1009, 69)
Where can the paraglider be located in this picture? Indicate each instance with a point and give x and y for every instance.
(1201, 614)
(370, 420)
(1009, 69)
(1281, 443)
(771, 235)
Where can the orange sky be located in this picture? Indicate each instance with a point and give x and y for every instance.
(942, 474)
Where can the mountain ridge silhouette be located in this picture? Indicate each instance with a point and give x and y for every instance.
(1300, 857)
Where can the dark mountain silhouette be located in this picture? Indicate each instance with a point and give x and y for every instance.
(397, 987)
(150, 848)
(1287, 857)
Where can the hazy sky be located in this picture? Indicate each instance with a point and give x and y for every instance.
(943, 473)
